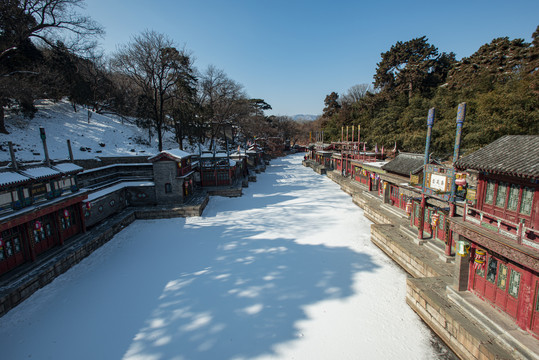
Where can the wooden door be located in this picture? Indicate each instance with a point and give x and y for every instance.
(394, 195)
(69, 222)
(491, 275)
(440, 229)
(478, 280)
(535, 309)
(11, 253)
(47, 237)
(427, 221)
(501, 286)
(513, 291)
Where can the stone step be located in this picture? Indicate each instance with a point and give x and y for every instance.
(394, 211)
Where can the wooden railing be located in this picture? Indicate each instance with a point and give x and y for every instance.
(516, 231)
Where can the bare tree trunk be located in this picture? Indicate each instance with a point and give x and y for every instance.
(3, 129)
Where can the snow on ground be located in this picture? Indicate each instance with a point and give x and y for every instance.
(285, 272)
(61, 123)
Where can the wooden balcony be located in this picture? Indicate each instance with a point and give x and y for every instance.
(515, 231)
(513, 241)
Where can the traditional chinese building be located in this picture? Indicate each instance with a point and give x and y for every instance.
(40, 208)
(217, 169)
(498, 235)
(173, 176)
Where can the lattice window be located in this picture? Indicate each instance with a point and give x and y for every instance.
(501, 194)
(489, 194)
(514, 283)
(502, 276)
(480, 271)
(527, 201)
(491, 271)
(514, 193)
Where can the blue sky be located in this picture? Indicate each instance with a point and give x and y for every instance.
(293, 53)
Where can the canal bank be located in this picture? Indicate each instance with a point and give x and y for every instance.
(269, 275)
(471, 328)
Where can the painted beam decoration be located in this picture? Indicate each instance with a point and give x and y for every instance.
(438, 181)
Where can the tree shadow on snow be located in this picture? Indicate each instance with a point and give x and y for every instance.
(240, 298)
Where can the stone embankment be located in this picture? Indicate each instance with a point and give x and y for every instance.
(469, 326)
(27, 279)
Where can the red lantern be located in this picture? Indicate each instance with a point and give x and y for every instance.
(435, 220)
(1, 243)
(66, 213)
(409, 207)
(480, 257)
(88, 206)
(38, 226)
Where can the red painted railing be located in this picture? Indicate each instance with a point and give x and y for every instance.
(516, 231)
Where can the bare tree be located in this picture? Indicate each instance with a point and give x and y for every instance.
(222, 100)
(153, 63)
(24, 22)
(49, 21)
(356, 93)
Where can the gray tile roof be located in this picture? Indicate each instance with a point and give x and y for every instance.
(405, 163)
(515, 155)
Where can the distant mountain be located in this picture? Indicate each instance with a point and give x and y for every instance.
(304, 117)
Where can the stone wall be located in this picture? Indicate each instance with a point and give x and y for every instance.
(66, 256)
(459, 332)
(113, 173)
(388, 238)
(165, 172)
(117, 201)
(110, 160)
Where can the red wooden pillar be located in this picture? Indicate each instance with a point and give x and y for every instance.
(58, 222)
(449, 240)
(82, 218)
(421, 217)
(370, 183)
(525, 299)
(28, 238)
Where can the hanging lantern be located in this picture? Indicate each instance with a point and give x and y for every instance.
(435, 220)
(462, 247)
(38, 226)
(460, 179)
(409, 207)
(480, 258)
(1, 243)
(88, 206)
(66, 213)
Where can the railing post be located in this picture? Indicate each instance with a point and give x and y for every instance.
(520, 230)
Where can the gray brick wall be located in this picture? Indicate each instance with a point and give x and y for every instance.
(165, 172)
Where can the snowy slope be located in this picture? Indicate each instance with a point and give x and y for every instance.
(61, 123)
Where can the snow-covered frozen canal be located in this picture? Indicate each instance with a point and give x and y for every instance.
(287, 271)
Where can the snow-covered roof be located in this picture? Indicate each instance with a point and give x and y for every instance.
(11, 178)
(110, 189)
(210, 155)
(377, 164)
(175, 154)
(67, 168)
(115, 165)
(238, 154)
(40, 172)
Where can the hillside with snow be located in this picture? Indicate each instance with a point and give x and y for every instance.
(104, 135)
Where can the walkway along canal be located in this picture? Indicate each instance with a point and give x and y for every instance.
(288, 270)
(472, 328)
